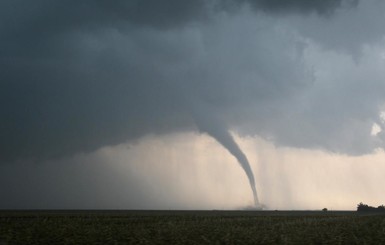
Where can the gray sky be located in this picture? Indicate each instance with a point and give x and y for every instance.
(78, 77)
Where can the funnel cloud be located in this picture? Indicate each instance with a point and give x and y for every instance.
(211, 125)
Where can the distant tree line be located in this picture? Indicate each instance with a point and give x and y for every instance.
(364, 207)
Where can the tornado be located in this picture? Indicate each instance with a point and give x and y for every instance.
(226, 140)
(211, 125)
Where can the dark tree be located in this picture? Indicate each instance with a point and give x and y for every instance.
(364, 208)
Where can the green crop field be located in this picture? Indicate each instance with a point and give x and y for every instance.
(191, 227)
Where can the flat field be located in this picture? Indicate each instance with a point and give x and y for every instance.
(191, 227)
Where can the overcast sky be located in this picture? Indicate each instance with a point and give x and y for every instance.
(125, 104)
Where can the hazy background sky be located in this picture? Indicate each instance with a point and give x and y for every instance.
(112, 104)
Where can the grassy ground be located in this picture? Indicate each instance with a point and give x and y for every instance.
(190, 227)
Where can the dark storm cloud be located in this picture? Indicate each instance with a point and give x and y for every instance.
(42, 15)
(87, 13)
(319, 6)
(78, 75)
(31, 28)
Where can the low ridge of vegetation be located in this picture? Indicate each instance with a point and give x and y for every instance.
(191, 227)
